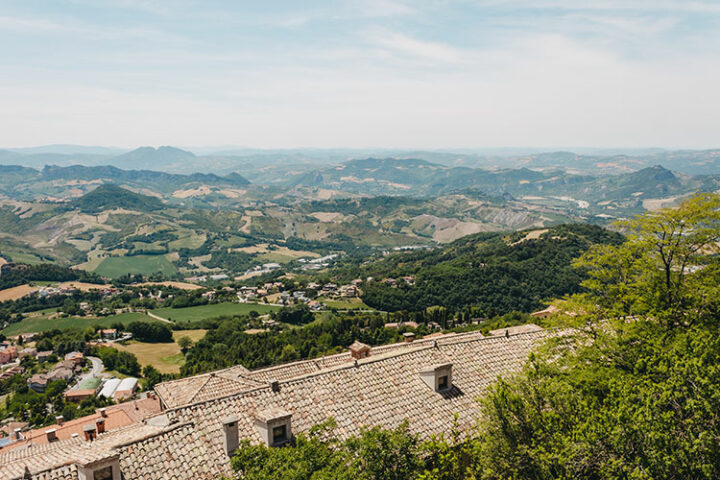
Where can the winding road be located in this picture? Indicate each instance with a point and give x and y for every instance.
(95, 371)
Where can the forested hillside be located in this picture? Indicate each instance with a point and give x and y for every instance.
(496, 272)
(109, 196)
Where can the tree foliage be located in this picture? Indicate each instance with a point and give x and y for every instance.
(150, 332)
(668, 268)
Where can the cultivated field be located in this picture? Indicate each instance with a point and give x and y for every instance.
(201, 312)
(84, 287)
(16, 292)
(346, 304)
(166, 357)
(181, 285)
(114, 267)
(42, 323)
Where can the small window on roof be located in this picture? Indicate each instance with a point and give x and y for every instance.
(274, 426)
(279, 434)
(438, 377)
(104, 473)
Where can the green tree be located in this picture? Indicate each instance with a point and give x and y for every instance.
(185, 343)
(374, 454)
(152, 375)
(667, 269)
(633, 396)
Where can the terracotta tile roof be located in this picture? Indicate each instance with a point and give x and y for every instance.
(193, 389)
(117, 416)
(527, 328)
(9, 429)
(384, 389)
(57, 460)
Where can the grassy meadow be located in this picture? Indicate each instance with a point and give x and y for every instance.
(115, 267)
(201, 312)
(43, 322)
(166, 357)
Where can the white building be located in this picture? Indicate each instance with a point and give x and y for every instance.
(109, 388)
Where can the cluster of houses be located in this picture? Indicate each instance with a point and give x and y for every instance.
(332, 290)
(258, 270)
(317, 263)
(14, 370)
(48, 291)
(65, 370)
(215, 277)
(394, 282)
(307, 296)
(16, 434)
(11, 352)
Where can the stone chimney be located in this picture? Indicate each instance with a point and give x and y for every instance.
(89, 432)
(408, 337)
(230, 431)
(100, 424)
(103, 412)
(359, 350)
(59, 419)
(51, 435)
(17, 433)
(274, 385)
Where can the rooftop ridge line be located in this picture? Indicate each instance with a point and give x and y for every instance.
(497, 337)
(270, 368)
(202, 384)
(162, 431)
(364, 361)
(325, 371)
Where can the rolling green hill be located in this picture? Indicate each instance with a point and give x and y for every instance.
(495, 272)
(109, 196)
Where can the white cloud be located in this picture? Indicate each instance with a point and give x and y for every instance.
(653, 6)
(405, 46)
(30, 24)
(390, 75)
(381, 8)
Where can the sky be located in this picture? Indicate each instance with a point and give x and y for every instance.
(361, 73)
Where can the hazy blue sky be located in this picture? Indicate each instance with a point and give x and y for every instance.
(361, 73)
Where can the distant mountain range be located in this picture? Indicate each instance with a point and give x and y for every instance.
(585, 195)
(267, 166)
(57, 183)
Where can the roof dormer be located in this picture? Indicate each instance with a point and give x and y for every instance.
(438, 377)
(274, 426)
(104, 469)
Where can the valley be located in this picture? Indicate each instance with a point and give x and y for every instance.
(116, 222)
